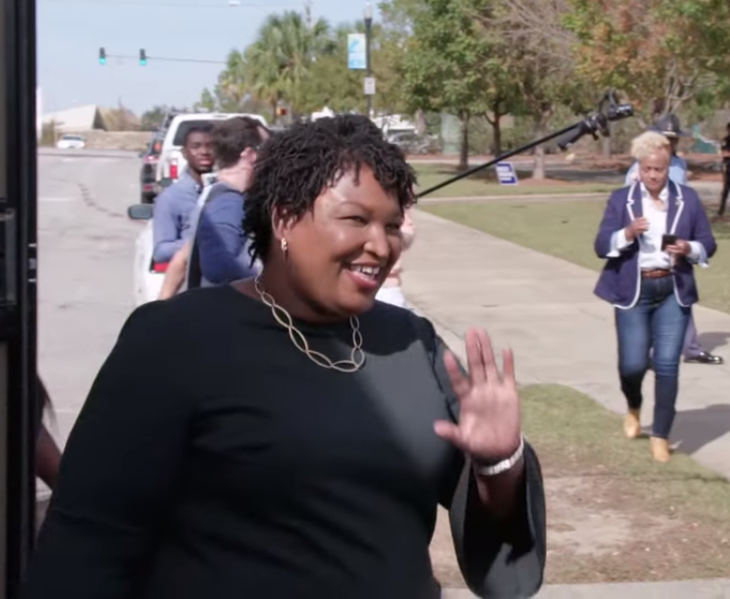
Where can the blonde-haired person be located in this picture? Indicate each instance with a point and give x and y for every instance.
(391, 291)
(670, 127)
(649, 279)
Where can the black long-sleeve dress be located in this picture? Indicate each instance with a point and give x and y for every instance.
(213, 460)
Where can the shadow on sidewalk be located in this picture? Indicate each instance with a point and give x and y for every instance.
(711, 341)
(696, 428)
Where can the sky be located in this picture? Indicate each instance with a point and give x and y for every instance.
(70, 33)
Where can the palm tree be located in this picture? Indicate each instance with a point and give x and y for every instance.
(231, 90)
(280, 60)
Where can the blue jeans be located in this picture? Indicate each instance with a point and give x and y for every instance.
(657, 323)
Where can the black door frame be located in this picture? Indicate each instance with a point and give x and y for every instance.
(19, 410)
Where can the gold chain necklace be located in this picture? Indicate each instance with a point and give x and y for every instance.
(357, 357)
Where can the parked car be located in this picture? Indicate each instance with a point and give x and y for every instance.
(71, 142)
(148, 172)
(411, 143)
(149, 186)
(147, 275)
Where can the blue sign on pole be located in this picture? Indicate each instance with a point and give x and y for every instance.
(357, 56)
(506, 173)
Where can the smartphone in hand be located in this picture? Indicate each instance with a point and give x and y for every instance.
(668, 240)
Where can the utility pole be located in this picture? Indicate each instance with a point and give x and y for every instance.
(308, 13)
(368, 69)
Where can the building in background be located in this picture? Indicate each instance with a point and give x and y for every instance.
(80, 119)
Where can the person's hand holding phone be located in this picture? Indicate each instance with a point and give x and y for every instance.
(679, 247)
(637, 227)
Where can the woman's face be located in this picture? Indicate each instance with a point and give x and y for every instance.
(654, 171)
(340, 253)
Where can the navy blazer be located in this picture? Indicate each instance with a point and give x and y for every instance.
(619, 282)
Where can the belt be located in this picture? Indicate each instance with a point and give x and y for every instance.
(655, 273)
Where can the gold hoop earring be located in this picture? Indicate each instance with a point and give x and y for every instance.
(284, 246)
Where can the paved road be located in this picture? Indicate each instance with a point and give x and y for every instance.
(86, 246)
(89, 153)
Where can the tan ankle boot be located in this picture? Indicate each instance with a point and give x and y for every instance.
(632, 424)
(660, 449)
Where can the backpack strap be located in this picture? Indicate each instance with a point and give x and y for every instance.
(195, 273)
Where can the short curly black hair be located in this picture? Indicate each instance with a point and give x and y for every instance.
(295, 166)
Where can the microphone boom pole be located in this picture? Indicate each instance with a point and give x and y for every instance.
(593, 123)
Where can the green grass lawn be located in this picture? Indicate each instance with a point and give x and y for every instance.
(613, 513)
(567, 230)
(679, 513)
(485, 184)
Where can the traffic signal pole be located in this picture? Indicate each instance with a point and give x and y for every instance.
(143, 58)
(18, 291)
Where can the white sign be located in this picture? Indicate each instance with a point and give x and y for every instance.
(506, 173)
(357, 55)
(369, 86)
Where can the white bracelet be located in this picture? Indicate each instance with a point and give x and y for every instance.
(504, 465)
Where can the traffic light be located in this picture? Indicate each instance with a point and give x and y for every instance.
(142, 58)
(102, 56)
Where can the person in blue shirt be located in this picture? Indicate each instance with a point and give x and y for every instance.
(174, 207)
(216, 251)
(669, 126)
(219, 253)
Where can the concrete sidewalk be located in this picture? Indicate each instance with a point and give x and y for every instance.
(544, 309)
(692, 589)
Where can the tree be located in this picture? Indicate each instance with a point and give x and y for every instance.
(537, 56)
(661, 53)
(280, 61)
(501, 93)
(333, 84)
(444, 63)
(231, 91)
(152, 119)
(120, 118)
(391, 44)
(207, 101)
(273, 70)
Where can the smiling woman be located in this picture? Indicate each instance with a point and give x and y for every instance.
(292, 436)
(326, 222)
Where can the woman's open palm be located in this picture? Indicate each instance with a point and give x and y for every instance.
(489, 425)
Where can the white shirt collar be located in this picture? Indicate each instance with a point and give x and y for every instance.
(663, 194)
